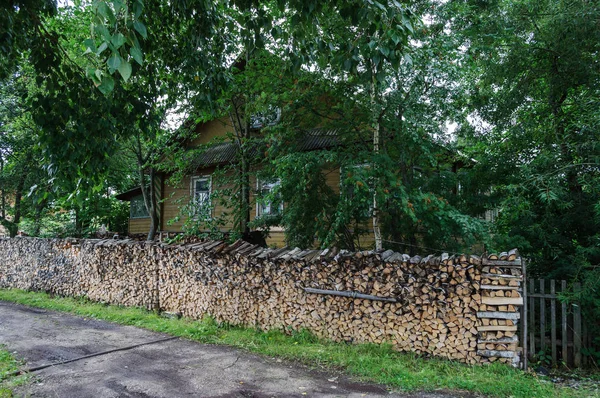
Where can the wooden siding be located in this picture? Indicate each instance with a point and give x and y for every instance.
(212, 129)
(176, 197)
(139, 225)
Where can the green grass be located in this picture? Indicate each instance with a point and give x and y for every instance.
(8, 365)
(378, 363)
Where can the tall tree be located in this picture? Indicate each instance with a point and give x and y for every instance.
(535, 80)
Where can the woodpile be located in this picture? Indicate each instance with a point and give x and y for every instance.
(460, 307)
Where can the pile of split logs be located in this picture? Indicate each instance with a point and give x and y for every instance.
(459, 307)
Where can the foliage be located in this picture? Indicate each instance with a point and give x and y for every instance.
(378, 363)
(533, 87)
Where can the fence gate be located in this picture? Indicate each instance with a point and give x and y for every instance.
(553, 332)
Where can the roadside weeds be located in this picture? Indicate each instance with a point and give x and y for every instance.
(370, 362)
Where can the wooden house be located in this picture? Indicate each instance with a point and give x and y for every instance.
(198, 184)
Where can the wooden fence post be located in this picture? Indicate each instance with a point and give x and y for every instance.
(577, 329)
(524, 318)
(532, 317)
(565, 334)
(542, 317)
(553, 320)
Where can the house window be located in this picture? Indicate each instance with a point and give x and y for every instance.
(267, 204)
(137, 207)
(270, 117)
(201, 197)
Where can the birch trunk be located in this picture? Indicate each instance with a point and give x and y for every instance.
(376, 131)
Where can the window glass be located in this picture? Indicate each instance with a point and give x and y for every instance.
(201, 196)
(137, 208)
(267, 205)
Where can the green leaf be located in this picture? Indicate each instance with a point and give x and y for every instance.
(136, 53)
(117, 40)
(117, 4)
(107, 85)
(347, 65)
(102, 47)
(376, 59)
(90, 46)
(104, 10)
(141, 29)
(114, 62)
(103, 31)
(138, 7)
(125, 70)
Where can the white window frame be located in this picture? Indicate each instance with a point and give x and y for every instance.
(193, 182)
(260, 188)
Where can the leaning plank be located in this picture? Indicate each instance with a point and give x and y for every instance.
(494, 328)
(349, 294)
(502, 300)
(503, 263)
(502, 340)
(498, 315)
(494, 353)
(502, 276)
(498, 287)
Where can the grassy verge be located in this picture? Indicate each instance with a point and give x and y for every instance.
(370, 362)
(8, 364)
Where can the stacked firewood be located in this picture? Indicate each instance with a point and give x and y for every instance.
(459, 307)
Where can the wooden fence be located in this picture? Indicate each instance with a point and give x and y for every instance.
(553, 332)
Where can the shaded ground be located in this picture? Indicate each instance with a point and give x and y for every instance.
(175, 368)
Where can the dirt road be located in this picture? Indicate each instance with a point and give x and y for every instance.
(173, 368)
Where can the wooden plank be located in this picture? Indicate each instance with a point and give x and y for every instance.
(553, 322)
(531, 317)
(577, 329)
(586, 344)
(349, 294)
(502, 276)
(542, 317)
(524, 318)
(502, 340)
(565, 336)
(498, 287)
(502, 300)
(498, 315)
(497, 354)
(503, 263)
(494, 328)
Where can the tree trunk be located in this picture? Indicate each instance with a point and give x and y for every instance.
(150, 201)
(13, 227)
(37, 225)
(3, 204)
(376, 133)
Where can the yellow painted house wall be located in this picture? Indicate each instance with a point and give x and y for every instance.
(176, 196)
(139, 225)
(211, 130)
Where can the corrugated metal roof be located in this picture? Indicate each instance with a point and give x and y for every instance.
(319, 139)
(132, 193)
(225, 152)
(217, 154)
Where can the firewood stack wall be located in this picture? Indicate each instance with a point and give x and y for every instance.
(459, 307)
